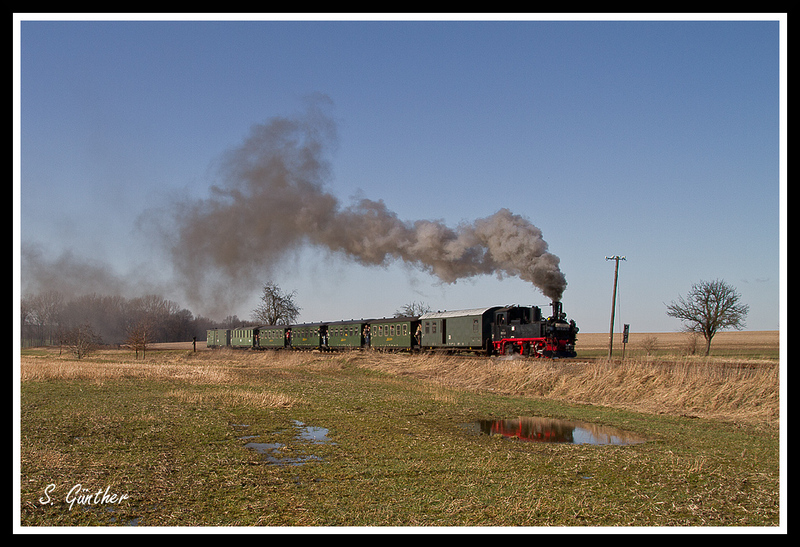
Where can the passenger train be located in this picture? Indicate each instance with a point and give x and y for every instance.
(497, 330)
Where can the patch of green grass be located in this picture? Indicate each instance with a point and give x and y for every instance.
(398, 456)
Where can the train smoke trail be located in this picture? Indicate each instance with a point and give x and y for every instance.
(272, 201)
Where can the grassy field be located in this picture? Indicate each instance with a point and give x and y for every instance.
(167, 441)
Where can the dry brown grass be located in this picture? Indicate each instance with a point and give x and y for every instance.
(207, 368)
(228, 396)
(743, 390)
(37, 368)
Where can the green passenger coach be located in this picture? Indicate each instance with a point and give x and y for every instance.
(272, 337)
(308, 336)
(469, 330)
(395, 334)
(347, 334)
(218, 338)
(244, 337)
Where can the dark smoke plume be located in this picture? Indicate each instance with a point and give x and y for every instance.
(69, 274)
(271, 201)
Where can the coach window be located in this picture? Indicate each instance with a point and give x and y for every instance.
(474, 325)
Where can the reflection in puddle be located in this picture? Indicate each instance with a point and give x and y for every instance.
(280, 454)
(316, 435)
(550, 430)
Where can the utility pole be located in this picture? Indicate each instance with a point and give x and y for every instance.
(616, 258)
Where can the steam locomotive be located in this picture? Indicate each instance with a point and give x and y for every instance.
(497, 330)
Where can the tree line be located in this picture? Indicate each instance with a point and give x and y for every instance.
(50, 318)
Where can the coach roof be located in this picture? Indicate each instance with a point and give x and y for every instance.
(458, 313)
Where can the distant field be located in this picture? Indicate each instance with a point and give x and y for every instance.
(726, 340)
(735, 343)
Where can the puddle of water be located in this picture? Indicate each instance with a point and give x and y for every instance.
(316, 435)
(273, 454)
(549, 430)
(276, 453)
(264, 448)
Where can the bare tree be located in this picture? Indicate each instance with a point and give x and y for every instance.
(139, 335)
(82, 340)
(649, 344)
(692, 341)
(156, 311)
(45, 311)
(413, 309)
(709, 307)
(276, 307)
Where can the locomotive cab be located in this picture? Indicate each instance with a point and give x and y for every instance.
(514, 322)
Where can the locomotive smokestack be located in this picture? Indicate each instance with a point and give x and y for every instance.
(556, 309)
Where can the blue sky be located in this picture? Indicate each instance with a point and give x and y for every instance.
(658, 140)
